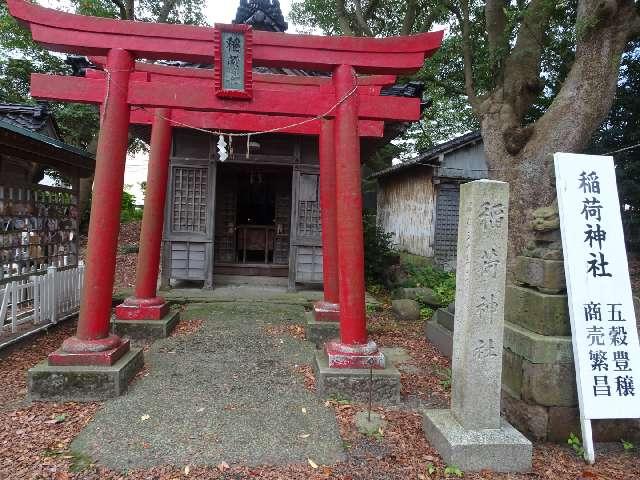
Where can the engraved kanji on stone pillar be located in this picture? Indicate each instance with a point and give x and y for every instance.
(479, 320)
(471, 434)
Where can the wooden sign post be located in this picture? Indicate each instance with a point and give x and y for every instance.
(603, 323)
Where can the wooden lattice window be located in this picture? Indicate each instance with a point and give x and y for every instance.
(190, 193)
(308, 207)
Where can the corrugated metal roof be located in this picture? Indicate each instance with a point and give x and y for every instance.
(427, 157)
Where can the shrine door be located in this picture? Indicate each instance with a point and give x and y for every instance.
(305, 262)
(189, 225)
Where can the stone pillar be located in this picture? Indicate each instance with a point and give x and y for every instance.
(353, 350)
(471, 434)
(329, 308)
(132, 315)
(93, 364)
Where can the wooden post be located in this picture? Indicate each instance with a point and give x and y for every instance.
(329, 308)
(146, 305)
(92, 344)
(353, 350)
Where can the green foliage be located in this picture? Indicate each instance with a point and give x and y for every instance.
(426, 313)
(340, 399)
(20, 57)
(621, 130)
(628, 446)
(378, 249)
(128, 210)
(441, 282)
(454, 471)
(431, 469)
(576, 444)
(445, 376)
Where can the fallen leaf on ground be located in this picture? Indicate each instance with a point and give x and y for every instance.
(223, 466)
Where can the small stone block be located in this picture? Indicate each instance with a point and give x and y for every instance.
(320, 332)
(440, 337)
(147, 330)
(500, 450)
(406, 310)
(354, 383)
(142, 312)
(101, 359)
(358, 357)
(535, 347)
(83, 383)
(546, 275)
(549, 384)
(369, 424)
(539, 312)
(326, 312)
(445, 318)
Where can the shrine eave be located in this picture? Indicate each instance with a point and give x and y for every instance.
(78, 34)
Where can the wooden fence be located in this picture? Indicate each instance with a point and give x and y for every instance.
(42, 299)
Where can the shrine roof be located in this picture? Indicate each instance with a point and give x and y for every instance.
(24, 138)
(36, 118)
(432, 156)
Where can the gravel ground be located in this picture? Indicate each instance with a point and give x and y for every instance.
(226, 393)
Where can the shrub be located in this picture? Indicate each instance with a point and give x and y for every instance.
(128, 210)
(441, 282)
(378, 250)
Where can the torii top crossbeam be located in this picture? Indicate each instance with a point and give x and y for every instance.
(69, 33)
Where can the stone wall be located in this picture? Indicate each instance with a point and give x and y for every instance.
(539, 388)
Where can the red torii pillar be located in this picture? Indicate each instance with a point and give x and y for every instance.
(354, 350)
(329, 308)
(146, 305)
(92, 344)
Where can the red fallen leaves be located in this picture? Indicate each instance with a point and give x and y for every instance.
(34, 440)
(280, 330)
(307, 373)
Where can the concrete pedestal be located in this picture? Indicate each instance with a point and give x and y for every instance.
(440, 337)
(320, 332)
(354, 383)
(83, 383)
(147, 330)
(501, 450)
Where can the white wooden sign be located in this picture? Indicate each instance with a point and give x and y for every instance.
(603, 323)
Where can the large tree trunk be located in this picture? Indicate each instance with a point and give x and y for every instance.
(524, 156)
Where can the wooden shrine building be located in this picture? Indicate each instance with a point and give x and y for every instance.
(254, 166)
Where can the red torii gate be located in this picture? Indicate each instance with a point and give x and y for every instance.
(146, 304)
(337, 99)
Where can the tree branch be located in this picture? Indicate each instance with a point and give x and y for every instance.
(361, 20)
(167, 7)
(496, 22)
(409, 17)
(343, 19)
(467, 51)
(121, 7)
(522, 84)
